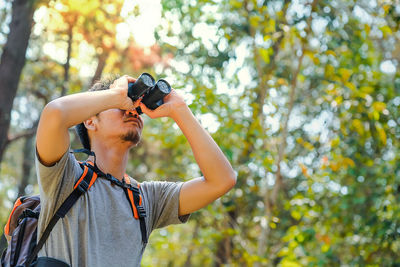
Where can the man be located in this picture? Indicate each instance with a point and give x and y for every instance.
(99, 230)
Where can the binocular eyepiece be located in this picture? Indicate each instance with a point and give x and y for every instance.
(153, 92)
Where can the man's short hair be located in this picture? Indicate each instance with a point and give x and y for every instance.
(102, 84)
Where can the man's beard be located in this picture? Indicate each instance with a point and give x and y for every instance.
(131, 136)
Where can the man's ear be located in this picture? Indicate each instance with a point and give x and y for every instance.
(91, 124)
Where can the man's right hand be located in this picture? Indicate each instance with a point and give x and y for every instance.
(120, 85)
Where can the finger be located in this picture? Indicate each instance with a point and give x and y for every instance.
(167, 97)
(131, 79)
(137, 102)
(125, 77)
(146, 110)
(173, 92)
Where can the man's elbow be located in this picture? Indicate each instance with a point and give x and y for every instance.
(52, 108)
(53, 112)
(231, 180)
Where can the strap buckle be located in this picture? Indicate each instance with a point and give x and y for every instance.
(141, 211)
(83, 186)
(28, 213)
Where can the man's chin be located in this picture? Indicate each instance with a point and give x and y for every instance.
(132, 137)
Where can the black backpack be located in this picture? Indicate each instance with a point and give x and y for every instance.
(21, 228)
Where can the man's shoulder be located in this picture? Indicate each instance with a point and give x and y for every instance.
(134, 182)
(160, 187)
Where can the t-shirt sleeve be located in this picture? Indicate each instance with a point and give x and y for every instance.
(163, 198)
(57, 182)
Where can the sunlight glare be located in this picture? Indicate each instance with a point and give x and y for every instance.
(142, 26)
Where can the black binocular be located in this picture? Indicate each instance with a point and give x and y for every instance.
(151, 91)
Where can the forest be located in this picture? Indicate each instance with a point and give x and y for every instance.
(303, 98)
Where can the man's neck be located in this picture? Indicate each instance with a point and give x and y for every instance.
(111, 160)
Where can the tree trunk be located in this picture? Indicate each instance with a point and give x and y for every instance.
(64, 87)
(12, 62)
(263, 74)
(257, 117)
(270, 201)
(225, 246)
(100, 67)
(188, 262)
(270, 198)
(26, 165)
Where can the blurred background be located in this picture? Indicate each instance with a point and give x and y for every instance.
(302, 97)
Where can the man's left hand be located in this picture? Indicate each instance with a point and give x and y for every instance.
(173, 104)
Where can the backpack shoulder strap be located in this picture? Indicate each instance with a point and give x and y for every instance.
(88, 176)
(81, 186)
(135, 201)
(133, 182)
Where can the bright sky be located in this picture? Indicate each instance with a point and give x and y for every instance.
(141, 27)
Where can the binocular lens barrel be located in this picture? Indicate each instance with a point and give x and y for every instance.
(154, 97)
(164, 86)
(141, 86)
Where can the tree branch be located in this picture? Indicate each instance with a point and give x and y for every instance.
(18, 136)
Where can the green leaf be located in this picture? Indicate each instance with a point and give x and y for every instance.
(254, 21)
(264, 54)
(295, 214)
(381, 133)
(386, 30)
(345, 74)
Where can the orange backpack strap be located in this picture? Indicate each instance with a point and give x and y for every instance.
(132, 191)
(88, 176)
(131, 196)
(7, 227)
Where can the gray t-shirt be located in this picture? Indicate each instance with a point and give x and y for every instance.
(100, 229)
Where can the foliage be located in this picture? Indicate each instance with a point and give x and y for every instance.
(302, 97)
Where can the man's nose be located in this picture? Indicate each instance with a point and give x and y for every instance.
(131, 113)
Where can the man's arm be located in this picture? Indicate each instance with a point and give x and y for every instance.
(219, 176)
(52, 139)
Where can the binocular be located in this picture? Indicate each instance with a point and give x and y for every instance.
(151, 91)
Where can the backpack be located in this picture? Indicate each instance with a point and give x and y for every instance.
(21, 227)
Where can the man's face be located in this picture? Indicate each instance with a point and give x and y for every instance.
(120, 125)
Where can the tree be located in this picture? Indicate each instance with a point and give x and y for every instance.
(12, 62)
